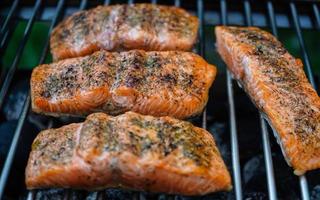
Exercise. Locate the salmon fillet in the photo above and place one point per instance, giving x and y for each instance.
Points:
(154, 83)
(124, 27)
(277, 84)
(129, 151)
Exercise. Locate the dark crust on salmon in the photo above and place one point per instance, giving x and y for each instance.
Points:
(277, 84)
(124, 27)
(130, 151)
(155, 83)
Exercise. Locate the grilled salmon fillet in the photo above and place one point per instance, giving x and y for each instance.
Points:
(130, 151)
(277, 84)
(124, 27)
(154, 83)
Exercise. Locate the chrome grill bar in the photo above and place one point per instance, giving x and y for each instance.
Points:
(177, 3)
(304, 52)
(272, 191)
(12, 69)
(5, 33)
(4, 89)
(232, 120)
(8, 18)
(201, 48)
(303, 180)
(316, 14)
(31, 195)
(268, 160)
(25, 110)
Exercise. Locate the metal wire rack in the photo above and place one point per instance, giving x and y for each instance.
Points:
(221, 8)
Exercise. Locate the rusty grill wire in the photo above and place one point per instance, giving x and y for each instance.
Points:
(199, 4)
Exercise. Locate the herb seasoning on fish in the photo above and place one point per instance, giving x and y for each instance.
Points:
(277, 84)
(118, 82)
(132, 151)
(124, 27)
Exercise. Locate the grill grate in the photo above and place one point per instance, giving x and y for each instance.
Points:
(265, 135)
(222, 10)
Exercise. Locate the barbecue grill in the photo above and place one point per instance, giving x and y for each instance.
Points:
(244, 137)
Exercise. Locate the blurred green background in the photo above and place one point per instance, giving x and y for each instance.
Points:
(33, 49)
(35, 44)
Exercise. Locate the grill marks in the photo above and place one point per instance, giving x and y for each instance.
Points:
(171, 137)
(146, 71)
(157, 83)
(131, 151)
(145, 135)
(287, 79)
(271, 56)
(124, 27)
(131, 70)
(278, 85)
(156, 19)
